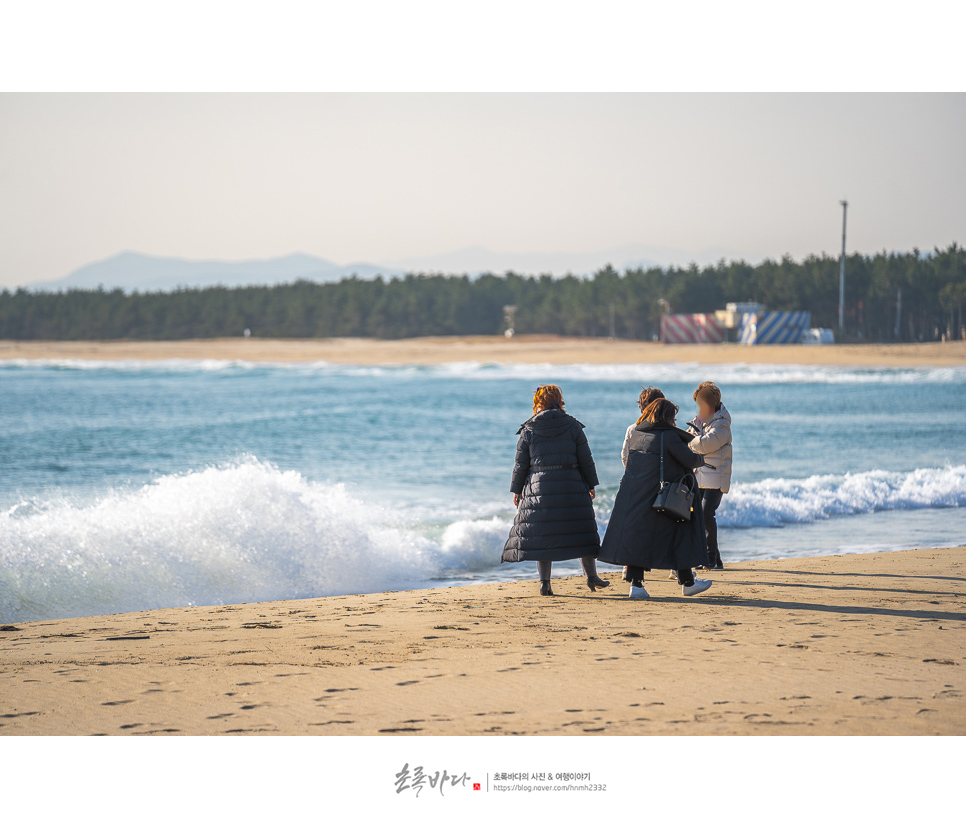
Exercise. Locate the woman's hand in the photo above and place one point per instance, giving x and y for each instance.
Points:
(593, 495)
(516, 499)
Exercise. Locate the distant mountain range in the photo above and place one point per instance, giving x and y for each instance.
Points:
(132, 271)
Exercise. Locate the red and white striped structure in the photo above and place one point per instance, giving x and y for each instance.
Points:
(691, 329)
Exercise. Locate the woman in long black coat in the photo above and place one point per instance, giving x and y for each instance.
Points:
(637, 535)
(553, 489)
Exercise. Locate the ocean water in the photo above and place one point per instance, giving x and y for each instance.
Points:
(135, 485)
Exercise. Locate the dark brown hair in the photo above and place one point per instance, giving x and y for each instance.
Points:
(648, 395)
(660, 411)
(710, 393)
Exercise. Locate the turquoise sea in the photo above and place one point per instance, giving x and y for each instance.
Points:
(135, 485)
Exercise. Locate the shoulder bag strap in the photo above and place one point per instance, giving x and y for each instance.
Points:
(662, 460)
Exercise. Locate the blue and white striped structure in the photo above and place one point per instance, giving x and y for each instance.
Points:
(775, 328)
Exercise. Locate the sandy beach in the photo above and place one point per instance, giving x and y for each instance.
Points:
(532, 349)
(839, 645)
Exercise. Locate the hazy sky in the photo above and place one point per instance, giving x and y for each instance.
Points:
(379, 177)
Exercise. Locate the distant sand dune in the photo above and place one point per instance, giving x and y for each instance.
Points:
(547, 349)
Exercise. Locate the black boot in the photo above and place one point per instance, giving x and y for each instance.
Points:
(594, 582)
(545, 589)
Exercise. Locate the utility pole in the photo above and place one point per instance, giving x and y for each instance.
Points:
(845, 206)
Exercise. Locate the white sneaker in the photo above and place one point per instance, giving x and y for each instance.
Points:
(673, 575)
(639, 593)
(698, 586)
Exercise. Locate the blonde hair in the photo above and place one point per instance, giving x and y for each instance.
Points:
(547, 396)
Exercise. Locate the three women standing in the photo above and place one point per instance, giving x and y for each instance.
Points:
(553, 490)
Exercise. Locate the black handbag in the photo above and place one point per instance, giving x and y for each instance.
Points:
(675, 498)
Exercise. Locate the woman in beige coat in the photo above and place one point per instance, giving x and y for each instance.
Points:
(712, 430)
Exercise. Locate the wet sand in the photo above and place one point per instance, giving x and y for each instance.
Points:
(840, 645)
(537, 349)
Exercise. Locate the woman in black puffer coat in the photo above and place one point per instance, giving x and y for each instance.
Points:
(553, 489)
(638, 535)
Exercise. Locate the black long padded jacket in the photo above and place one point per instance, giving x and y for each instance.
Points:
(553, 473)
(639, 535)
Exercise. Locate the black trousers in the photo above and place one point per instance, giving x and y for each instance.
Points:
(710, 501)
(635, 573)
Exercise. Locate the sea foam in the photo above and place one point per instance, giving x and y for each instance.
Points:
(735, 373)
(778, 501)
(236, 533)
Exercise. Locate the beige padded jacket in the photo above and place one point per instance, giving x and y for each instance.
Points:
(714, 442)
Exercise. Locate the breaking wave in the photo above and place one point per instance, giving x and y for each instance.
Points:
(239, 533)
(779, 501)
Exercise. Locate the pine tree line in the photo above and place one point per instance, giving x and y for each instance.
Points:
(933, 294)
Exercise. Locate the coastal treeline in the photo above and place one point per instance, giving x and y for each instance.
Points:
(889, 297)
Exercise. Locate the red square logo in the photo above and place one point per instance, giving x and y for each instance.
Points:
(476, 786)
